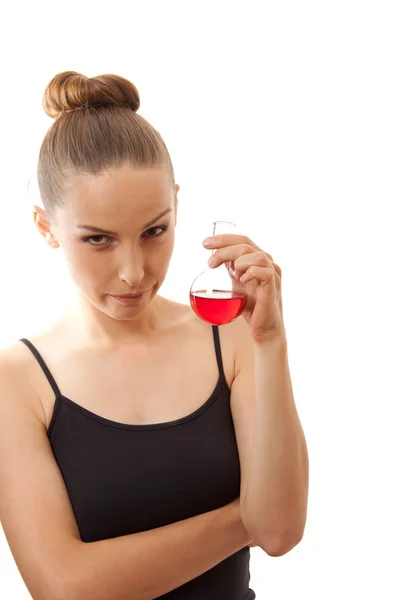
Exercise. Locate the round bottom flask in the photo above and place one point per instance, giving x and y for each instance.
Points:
(216, 296)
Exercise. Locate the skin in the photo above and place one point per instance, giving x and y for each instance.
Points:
(122, 200)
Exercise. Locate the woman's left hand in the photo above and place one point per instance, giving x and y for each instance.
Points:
(258, 277)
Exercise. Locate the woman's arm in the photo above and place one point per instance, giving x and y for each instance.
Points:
(149, 564)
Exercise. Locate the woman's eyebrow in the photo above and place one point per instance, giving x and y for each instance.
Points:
(100, 230)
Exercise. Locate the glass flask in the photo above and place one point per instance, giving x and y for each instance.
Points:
(216, 296)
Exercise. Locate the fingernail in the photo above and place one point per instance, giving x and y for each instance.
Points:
(207, 242)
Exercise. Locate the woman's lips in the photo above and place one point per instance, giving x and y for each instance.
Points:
(130, 299)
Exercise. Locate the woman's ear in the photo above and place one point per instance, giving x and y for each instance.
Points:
(43, 226)
(177, 188)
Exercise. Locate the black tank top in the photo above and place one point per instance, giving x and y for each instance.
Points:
(124, 479)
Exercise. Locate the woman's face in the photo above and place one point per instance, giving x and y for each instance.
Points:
(134, 211)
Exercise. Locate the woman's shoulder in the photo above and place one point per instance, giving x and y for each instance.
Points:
(14, 357)
(16, 377)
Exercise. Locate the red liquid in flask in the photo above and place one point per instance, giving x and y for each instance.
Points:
(217, 308)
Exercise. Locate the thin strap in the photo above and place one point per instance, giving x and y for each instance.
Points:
(45, 368)
(218, 348)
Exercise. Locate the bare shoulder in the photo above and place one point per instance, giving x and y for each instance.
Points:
(15, 380)
(193, 330)
(235, 340)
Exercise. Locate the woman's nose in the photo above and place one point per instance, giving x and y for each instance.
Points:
(131, 271)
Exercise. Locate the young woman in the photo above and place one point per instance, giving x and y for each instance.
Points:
(126, 427)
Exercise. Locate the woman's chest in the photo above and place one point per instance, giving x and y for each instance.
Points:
(139, 388)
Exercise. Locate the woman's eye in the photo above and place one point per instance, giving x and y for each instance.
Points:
(95, 237)
(162, 228)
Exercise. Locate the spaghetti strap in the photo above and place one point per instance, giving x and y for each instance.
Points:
(45, 368)
(217, 345)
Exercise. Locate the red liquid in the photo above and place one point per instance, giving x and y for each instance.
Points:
(217, 308)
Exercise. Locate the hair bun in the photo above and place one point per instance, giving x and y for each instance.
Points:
(70, 91)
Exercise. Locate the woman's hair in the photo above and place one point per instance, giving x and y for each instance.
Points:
(96, 128)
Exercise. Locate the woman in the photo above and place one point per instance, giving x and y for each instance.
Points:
(123, 477)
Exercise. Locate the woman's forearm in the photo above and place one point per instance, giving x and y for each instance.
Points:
(151, 563)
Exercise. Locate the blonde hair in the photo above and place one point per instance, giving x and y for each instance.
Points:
(96, 127)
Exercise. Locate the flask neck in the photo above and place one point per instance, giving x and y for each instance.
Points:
(223, 227)
(222, 266)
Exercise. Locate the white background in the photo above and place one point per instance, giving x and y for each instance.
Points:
(283, 117)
